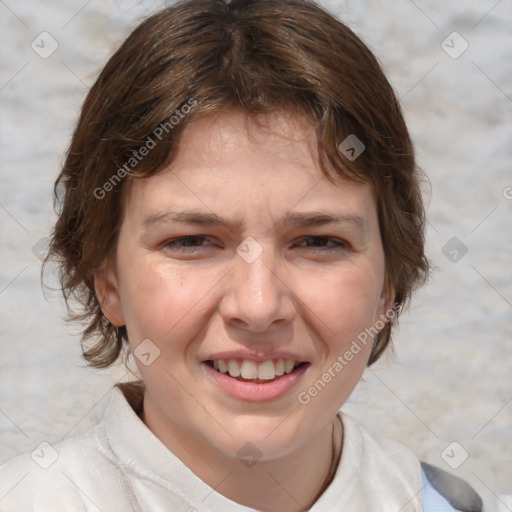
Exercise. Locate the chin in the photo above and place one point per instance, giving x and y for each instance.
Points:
(270, 437)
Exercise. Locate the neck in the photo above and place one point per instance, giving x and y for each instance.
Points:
(291, 483)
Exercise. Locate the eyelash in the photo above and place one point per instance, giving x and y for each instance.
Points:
(176, 243)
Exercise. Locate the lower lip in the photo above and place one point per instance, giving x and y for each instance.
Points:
(255, 392)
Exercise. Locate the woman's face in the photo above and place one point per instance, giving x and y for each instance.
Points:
(241, 254)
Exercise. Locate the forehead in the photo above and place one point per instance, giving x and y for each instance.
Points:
(234, 141)
(231, 162)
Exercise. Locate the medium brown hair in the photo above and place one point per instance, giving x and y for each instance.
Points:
(260, 56)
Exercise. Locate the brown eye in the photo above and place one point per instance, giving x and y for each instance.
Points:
(188, 244)
(320, 243)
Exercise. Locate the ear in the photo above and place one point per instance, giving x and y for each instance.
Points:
(386, 302)
(106, 286)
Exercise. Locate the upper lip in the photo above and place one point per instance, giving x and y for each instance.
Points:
(253, 356)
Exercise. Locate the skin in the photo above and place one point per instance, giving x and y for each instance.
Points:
(303, 295)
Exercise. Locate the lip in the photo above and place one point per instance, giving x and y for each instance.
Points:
(253, 356)
(255, 392)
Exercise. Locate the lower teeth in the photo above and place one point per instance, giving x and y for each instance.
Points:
(255, 380)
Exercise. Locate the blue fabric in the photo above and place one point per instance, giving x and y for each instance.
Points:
(432, 500)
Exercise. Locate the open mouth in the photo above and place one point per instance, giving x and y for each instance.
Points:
(250, 371)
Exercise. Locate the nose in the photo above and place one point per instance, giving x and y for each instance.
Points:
(257, 297)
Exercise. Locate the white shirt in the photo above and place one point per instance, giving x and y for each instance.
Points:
(121, 466)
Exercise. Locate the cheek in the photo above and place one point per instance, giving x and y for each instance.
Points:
(160, 300)
(344, 302)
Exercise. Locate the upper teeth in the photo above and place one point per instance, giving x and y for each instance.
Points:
(267, 370)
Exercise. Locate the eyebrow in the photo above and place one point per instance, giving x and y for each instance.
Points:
(297, 219)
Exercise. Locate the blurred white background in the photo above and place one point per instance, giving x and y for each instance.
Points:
(450, 379)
